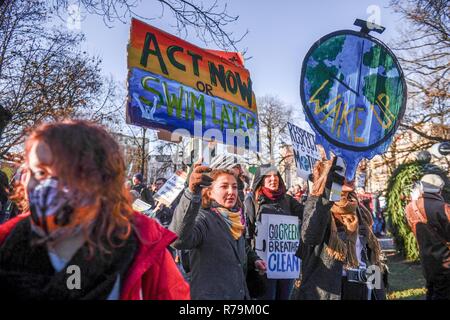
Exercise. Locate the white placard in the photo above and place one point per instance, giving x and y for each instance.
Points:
(276, 243)
(171, 189)
(140, 206)
(336, 188)
(305, 150)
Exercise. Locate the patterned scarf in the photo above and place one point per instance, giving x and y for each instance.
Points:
(233, 218)
(273, 195)
(26, 272)
(345, 211)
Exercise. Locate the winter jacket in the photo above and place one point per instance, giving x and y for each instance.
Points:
(8, 210)
(218, 262)
(153, 274)
(164, 216)
(321, 275)
(144, 193)
(433, 235)
(255, 208)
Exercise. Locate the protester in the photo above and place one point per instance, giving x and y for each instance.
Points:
(80, 215)
(429, 218)
(242, 180)
(4, 194)
(232, 162)
(163, 213)
(298, 192)
(8, 206)
(209, 222)
(378, 223)
(337, 244)
(159, 182)
(270, 197)
(144, 193)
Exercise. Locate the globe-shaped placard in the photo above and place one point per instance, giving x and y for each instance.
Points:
(353, 91)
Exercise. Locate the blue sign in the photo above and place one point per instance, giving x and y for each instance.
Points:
(353, 94)
(162, 103)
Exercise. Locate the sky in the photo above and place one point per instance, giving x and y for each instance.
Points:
(279, 35)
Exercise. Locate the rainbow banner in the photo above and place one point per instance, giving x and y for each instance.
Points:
(174, 85)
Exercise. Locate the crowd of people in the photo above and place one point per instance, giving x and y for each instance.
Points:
(70, 204)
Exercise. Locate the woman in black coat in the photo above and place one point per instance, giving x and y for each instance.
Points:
(210, 223)
(270, 197)
(341, 257)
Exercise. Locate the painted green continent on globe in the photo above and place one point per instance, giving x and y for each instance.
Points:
(386, 81)
(319, 72)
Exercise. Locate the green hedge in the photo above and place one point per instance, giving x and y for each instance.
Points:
(398, 191)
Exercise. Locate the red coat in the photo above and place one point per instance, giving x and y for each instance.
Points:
(153, 274)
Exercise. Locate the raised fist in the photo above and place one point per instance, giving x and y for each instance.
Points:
(199, 179)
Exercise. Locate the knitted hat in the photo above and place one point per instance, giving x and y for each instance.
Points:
(432, 183)
(139, 177)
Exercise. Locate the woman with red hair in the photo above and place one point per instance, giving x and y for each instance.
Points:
(210, 223)
(81, 232)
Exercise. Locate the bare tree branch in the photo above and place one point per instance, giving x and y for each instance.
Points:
(208, 22)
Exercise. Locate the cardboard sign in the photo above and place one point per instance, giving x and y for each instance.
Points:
(141, 206)
(175, 85)
(276, 243)
(354, 95)
(171, 189)
(305, 150)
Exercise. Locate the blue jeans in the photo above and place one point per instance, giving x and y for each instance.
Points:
(377, 225)
(278, 289)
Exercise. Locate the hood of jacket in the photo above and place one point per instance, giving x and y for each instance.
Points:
(261, 172)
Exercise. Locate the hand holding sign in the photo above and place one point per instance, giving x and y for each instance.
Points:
(327, 176)
(198, 178)
(159, 206)
(261, 266)
(170, 190)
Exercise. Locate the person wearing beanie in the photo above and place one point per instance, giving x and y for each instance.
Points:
(144, 193)
(270, 197)
(429, 219)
